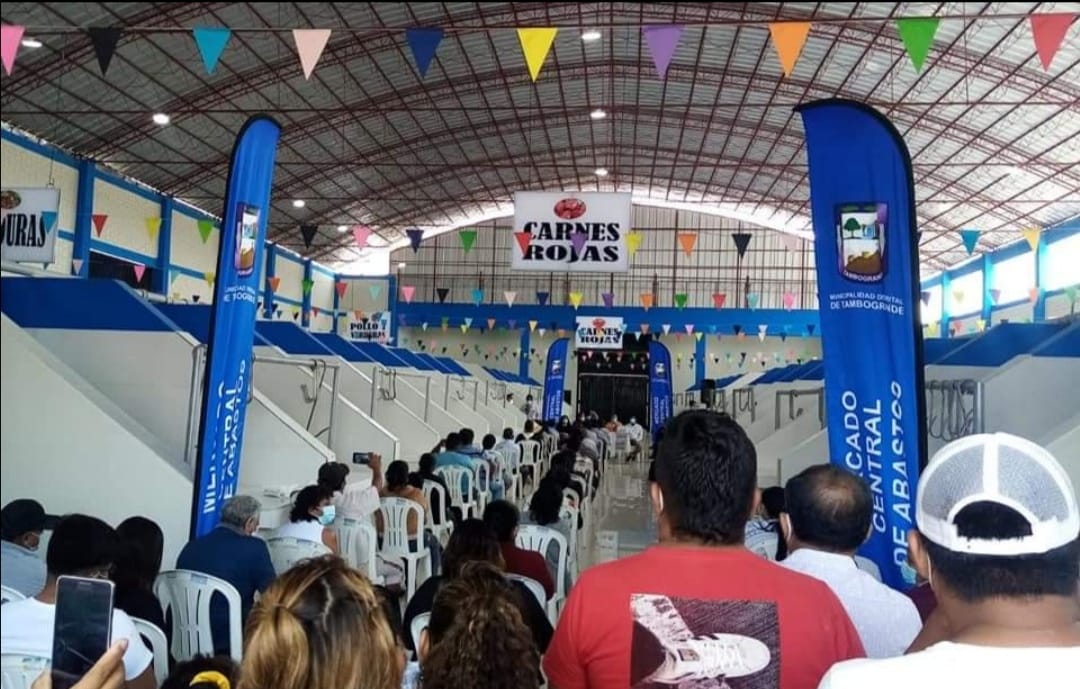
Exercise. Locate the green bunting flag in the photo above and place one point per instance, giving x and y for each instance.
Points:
(468, 238)
(917, 35)
(308, 284)
(680, 300)
(205, 228)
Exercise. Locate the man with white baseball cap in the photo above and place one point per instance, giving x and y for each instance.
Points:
(998, 538)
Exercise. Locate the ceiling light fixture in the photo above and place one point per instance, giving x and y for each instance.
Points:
(601, 172)
(161, 119)
(299, 203)
(401, 266)
(598, 114)
(342, 228)
(31, 43)
(590, 36)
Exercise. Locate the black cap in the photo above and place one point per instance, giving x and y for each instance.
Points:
(23, 516)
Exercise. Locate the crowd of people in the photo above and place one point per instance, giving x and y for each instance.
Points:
(746, 588)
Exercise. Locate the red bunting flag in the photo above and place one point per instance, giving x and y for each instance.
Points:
(340, 288)
(274, 282)
(99, 222)
(524, 239)
(718, 299)
(1049, 31)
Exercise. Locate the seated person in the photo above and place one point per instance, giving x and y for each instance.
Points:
(545, 509)
(502, 518)
(427, 473)
(138, 563)
(358, 499)
(637, 437)
(497, 480)
(310, 518)
(80, 546)
(231, 552)
(203, 672)
(21, 524)
(763, 530)
(468, 445)
(397, 486)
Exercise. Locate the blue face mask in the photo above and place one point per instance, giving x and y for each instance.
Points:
(908, 573)
(328, 514)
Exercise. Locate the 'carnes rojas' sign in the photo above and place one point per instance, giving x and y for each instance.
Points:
(594, 332)
(571, 231)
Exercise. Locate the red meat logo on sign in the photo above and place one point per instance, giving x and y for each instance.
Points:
(599, 323)
(569, 209)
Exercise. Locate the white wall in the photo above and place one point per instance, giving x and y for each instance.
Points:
(1017, 313)
(1058, 306)
(127, 213)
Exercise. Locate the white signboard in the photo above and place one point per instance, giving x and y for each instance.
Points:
(571, 231)
(599, 332)
(373, 328)
(28, 218)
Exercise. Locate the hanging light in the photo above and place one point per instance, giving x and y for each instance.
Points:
(590, 36)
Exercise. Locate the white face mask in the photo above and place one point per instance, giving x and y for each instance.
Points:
(328, 514)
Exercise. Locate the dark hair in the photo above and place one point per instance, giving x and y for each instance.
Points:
(508, 434)
(184, 672)
(489, 441)
(707, 470)
(139, 559)
(453, 441)
(772, 499)
(306, 500)
(80, 545)
(546, 502)
(427, 463)
(975, 578)
(529, 427)
(502, 518)
(564, 459)
(478, 636)
(830, 508)
(573, 442)
(559, 475)
(467, 436)
(397, 475)
(471, 540)
(332, 476)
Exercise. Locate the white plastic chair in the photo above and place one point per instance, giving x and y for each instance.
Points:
(534, 586)
(444, 525)
(9, 594)
(188, 595)
(538, 539)
(159, 646)
(570, 514)
(482, 475)
(398, 543)
(360, 547)
(419, 624)
(459, 481)
(286, 552)
(622, 444)
(530, 457)
(19, 671)
(511, 460)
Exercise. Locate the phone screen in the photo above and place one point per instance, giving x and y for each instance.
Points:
(82, 628)
(361, 458)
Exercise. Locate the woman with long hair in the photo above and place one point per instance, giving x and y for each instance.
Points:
(397, 485)
(545, 509)
(137, 565)
(477, 636)
(320, 625)
(310, 518)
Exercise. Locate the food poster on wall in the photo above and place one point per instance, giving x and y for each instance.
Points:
(571, 231)
(29, 221)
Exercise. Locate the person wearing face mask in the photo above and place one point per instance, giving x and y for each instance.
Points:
(21, 524)
(231, 552)
(311, 516)
(637, 434)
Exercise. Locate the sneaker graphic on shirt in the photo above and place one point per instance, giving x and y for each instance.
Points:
(718, 656)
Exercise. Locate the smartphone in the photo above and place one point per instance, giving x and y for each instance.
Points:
(361, 458)
(82, 628)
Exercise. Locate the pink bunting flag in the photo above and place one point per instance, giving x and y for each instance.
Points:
(491, 325)
(340, 288)
(1049, 31)
(361, 233)
(407, 292)
(509, 297)
(689, 329)
(76, 265)
(139, 270)
(789, 300)
(310, 44)
(10, 38)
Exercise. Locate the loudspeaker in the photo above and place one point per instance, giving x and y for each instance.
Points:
(568, 397)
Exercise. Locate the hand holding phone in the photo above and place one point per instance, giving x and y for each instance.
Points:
(82, 627)
(363, 458)
(107, 672)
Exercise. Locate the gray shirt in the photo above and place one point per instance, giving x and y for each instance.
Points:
(21, 569)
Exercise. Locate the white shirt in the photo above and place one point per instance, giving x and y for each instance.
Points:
(304, 531)
(887, 620)
(637, 432)
(26, 628)
(21, 569)
(948, 665)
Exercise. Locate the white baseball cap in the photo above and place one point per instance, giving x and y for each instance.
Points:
(1006, 470)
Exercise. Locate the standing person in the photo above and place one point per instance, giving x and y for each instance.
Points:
(763, 530)
(397, 486)
(503, 518)
(231, 552)
(826, 519)
(996, 536)
(137, 566)
(311, 517)
(699, 606)
(637, 436)
(531, 409)
(21, 524)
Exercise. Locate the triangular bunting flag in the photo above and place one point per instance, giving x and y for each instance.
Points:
(374, 290)
(76, 265)
(205, 228)
(575, 299)
(315, 311)
(737, 329)
(468, 238)
(468, 323)
(209, 277)
(925, 297)
(917, 35)
(139, 270)
(153, 226)
(423, 43)
(424, 327)
(99, 222)
(1049, 31)
(995, 294)
(535, 44)
(407, 292)
(1033, 294)
(958, 295)
(810, 329)
(340, 288)
(689, 329)
(662, 42)
(542, 298)
(718, 299)
(752, 299)
(306, 284)
(274, 281)
(1032, 236)
(415, 237)
(761, 330)
(477, 296)
(10, 37)
(687, 240)
(442, 293)
(195, 298)
(360, 235)
(789, 300)
(609, 299)
(308, 232)
(980, 325)
(970, 239)
(577, 240)
(742, 241)
(523, 240)
(698, 335)
(104, 39)
(633, 241)
(541, 331)
(1071, 293)
(532, 325)
(666, 327)
(680, 300)
(310, 44)
(788, 39)
(647, 300)
(211, 42)
(644, 328)
(491, 326)
(48, 220)
(509, 297)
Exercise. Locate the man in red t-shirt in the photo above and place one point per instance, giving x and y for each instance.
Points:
(699, 610)
(503, 518)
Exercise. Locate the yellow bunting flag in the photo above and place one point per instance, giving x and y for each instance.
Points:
(698, 335)
(633, 241)
(153, 225)
(532, 325)
(687, 240)
(980, 325)
(1032, 236)
(536, 44)
(788, 39)
(209, 277)
(575, 299)
(464, 328)
(933, 329)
